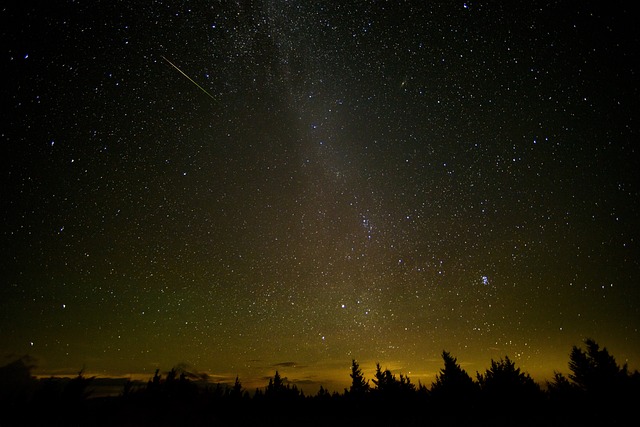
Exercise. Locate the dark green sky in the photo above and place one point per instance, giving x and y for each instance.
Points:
(372, 180)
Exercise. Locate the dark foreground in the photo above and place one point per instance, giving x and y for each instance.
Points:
(597, 392)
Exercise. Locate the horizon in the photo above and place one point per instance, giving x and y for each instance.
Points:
(299, 376)
(242, 187)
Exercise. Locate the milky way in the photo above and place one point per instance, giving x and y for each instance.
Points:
(371, 180)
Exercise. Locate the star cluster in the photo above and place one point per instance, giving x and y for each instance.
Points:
(369, 180)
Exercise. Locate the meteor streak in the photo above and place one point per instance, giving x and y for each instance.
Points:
(190, 79)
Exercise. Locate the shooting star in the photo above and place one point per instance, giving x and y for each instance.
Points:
(190, 79)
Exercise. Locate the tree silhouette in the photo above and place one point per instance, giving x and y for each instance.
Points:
(276, 389)
(453, 383)
(595, 382)
(77, 389)
(154, 383)
(405, 385)
(595, 370)
(560, 385)
(17, 382)
(323, 394)
(383, 380)
(388, 385)
(359, 386)
(275, 386)
(506, 388)
(564, 396)
(172, 388)
(236, 391)
(171, 376)
(605, 386)
(596, 392)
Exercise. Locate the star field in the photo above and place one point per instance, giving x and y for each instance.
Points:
(250, 185)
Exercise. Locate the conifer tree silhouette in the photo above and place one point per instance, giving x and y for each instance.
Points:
(382, 379)
(275, 386)
(506, 385)
(389, 386)
(77, 389)
(236, 392)
(560, 385)
(595, 381)
(453, 384)
(359, 386)
(594, 370)
(323, 394)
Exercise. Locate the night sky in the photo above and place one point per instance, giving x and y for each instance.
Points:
(245, 186)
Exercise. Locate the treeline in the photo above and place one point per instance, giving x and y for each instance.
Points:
(596, 391)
